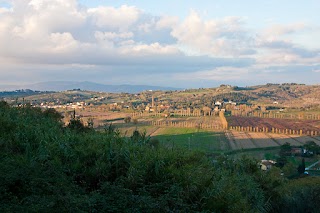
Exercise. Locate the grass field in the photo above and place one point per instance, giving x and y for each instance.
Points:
(192, 138)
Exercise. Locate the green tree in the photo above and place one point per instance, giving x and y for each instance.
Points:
(77, 125)
(302, 167)
(285, 150)
(140, 137)
(312, 148)
(298, 195)
(53, 114)
(289, 170)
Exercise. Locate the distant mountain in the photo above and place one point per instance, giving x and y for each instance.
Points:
(86, 85)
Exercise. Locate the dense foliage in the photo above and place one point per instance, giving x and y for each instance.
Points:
(234, 96)
(46, 167)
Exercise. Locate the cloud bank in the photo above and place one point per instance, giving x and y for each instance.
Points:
(44, 40)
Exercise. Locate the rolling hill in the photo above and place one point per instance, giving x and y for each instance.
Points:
(85, 85)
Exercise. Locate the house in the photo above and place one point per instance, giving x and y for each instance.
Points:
(265, 165)
(296, 151)
(218, 103)
(149, 108)
(232, 103)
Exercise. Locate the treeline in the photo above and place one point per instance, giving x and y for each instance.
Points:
(234, 96)
(22, 93)
(48, 167)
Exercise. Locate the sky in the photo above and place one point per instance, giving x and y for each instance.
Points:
(182, 43)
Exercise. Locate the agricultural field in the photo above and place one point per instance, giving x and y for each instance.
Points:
(305, 125)
(213, 141)
(192, 138)
(100, 118)
(252, 140)
(209, 140)
(128, 129)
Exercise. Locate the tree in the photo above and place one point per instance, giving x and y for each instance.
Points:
(139, 137)
(312, 148)
(4, 104)
(53, 114)
(77, 125)
(135, 121)
(302, 167)
(289, 170)
(90, 123)
(127, 119)
(285, 150)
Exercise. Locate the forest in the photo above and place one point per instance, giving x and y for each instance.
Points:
(46, 166)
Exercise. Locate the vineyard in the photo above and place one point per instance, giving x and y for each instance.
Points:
(269, 123)
(251, 140)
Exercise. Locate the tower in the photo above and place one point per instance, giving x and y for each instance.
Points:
(152, 103)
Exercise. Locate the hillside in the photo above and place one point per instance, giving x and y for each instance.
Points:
(46, 167)
(285, 95)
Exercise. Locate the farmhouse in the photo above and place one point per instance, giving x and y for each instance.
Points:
(265, 165)
(149, 108)
(218, 103)
(296, 151)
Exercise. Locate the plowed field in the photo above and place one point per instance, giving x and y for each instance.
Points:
(304, 125)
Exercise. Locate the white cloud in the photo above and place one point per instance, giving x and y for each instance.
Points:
(167, 22)
(116, 18)
(110, 40)
(280, 30)
(225, 37)
(152, 49)
(4, 10)
(112, 35)
(62, 43)
(62, 33)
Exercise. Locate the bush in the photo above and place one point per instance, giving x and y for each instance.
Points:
(127, 119)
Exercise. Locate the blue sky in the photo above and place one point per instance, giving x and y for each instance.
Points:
(280, 11)
(171, 43)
